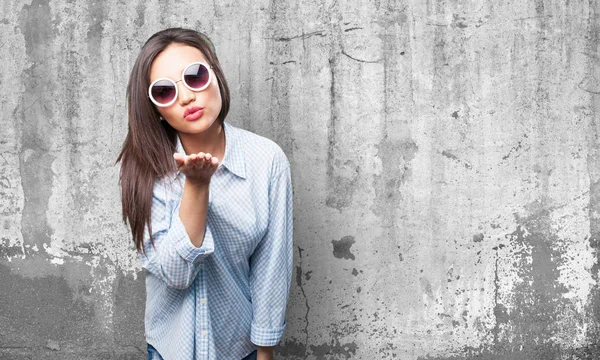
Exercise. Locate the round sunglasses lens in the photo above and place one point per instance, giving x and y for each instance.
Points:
(196, 76)
(163, 91)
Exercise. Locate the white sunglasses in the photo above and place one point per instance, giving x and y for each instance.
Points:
(196, 77)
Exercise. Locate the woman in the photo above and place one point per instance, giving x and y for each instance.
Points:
(215, 237)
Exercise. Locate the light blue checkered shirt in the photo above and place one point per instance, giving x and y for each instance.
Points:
(221, 300)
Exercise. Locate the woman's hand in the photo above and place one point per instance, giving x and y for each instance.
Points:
(197, 168)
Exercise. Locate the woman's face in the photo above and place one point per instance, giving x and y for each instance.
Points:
(170, 63)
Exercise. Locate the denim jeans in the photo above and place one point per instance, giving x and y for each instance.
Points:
(154, 355)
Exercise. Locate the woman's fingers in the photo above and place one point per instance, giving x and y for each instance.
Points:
(190, 162)
(193, 163)
(179, 159)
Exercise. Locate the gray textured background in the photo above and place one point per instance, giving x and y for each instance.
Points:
(445, 161)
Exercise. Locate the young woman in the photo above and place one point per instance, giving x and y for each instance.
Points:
(209, 206)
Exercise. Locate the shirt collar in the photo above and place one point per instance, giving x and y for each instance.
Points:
(234, 159)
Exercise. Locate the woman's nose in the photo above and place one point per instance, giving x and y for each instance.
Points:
(186, 95)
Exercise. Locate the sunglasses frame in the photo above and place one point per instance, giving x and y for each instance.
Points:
(184, 83)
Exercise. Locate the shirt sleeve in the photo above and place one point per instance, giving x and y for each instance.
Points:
(174, 258)
(271, 266)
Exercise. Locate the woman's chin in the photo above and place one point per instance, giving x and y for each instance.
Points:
(195, 127)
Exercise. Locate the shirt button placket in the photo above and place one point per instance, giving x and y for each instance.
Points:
(202, 312)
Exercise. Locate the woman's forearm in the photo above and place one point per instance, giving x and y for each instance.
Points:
(193, 210)
(264, 353)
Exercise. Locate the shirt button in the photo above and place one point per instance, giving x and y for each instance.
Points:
(203, 301)
(204, 333)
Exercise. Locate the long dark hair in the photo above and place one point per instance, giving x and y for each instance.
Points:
(147, 152)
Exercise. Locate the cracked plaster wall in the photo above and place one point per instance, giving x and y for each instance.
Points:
(445, 165)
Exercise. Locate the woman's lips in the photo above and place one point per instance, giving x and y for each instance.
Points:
(192, 114)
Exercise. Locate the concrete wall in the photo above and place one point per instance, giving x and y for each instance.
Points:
(445, 157)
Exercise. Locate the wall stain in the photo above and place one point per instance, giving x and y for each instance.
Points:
(516, 149)
(82, 165)
(295, 349)
(140, 11)
(324, 351)
(341, 248)
(451, 156)
(426, 286)
(129, 310)
(280, 116)
(35, 158)
(395, 149)
(526, 329)
(96, 14)
(343, 173)
(26, 303)
(291, 348)
(300, 285)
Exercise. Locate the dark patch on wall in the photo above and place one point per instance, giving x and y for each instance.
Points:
(129, 311)
(282, 79)
(332, 349)
(291, 347)
(342, 175)
(538, 301)
(458, 21)
(343, 172)
(452, 70)
(140, 11)
(478, 237)
(341, 248)
(426, 286)
(341, 188)
(71, 65)
(450, 155)
(49, 317)
(324, 351)
(298, 276)
(516, 149)
(96, 15)
(34, 117)
(12, 251)
(36, 310)
(165, 10)
(396, 148)
(82, 353)
(307, 275)
(501, 314)
(396, 157)
(539, 352)
(300, 285)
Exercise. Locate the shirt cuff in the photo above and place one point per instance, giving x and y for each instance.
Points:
(266, 336)
(184, 245)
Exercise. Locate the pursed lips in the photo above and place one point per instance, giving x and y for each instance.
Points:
(191, 110)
